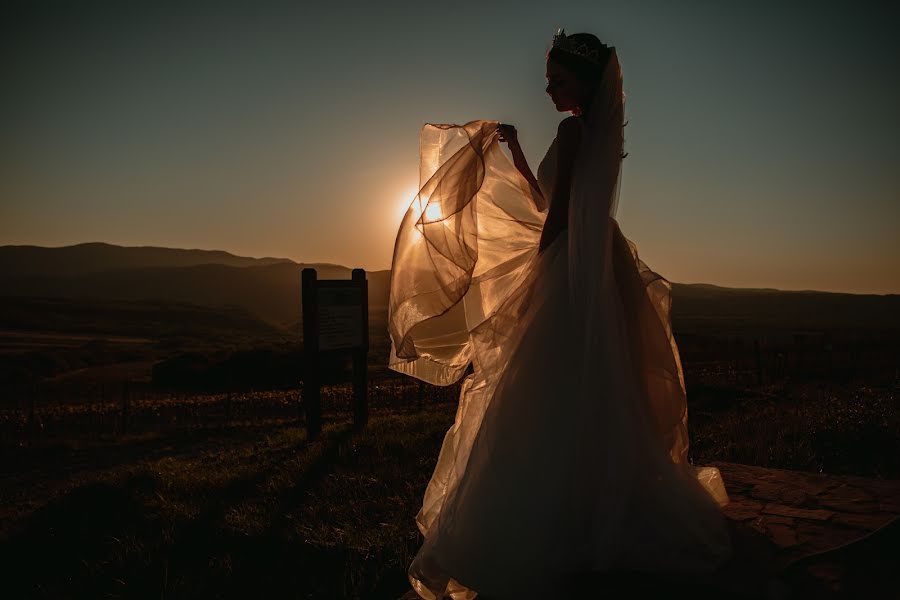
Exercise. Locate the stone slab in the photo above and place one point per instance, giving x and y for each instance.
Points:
(805, 514)
(816, 514)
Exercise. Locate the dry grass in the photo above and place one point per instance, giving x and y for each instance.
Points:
(809, 426)
(267, 515)
(257, 510)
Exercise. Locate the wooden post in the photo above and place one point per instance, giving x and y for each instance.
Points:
(759, 369)
(102, 413)
(32, 420)
(124, 427)
(332, 326)
(228, 410)
(360, 366)
(311, 400)
(300, 403)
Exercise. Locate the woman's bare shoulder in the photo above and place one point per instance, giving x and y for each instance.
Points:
(570, 122)
(569, 130)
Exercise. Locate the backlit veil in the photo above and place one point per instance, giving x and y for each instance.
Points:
(465, 267)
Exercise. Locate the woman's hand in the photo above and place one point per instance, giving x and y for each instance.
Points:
(508, 134)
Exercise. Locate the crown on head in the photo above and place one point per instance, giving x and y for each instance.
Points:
(581, 49)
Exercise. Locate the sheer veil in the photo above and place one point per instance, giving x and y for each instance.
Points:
(463, 258)
(462, 248)
(601, 259)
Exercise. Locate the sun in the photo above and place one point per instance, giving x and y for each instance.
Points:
(433, 210)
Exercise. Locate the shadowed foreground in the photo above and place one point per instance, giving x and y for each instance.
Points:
(257, 510)
(797, 535)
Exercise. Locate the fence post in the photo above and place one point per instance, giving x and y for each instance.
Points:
(124, 425)
(311, 400)
(300, 402)
(759, 369)
(360, 362)
(32, 424)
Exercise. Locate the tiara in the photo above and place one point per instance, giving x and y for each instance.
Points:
(579, 49)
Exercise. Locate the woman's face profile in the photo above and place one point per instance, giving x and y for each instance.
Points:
(564, 88)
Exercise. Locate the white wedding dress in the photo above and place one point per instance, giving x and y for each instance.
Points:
(569, 449)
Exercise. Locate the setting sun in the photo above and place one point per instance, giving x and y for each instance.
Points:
(433, 211)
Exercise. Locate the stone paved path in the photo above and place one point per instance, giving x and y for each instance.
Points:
(808, 512)
(827, 536)
(839, 531)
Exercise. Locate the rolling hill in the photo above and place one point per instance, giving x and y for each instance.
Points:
(38, 261)
(267, 288)
(267, 291)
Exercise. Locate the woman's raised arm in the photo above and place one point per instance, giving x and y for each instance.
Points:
(509, 135)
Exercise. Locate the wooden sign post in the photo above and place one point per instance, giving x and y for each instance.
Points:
(335, 321)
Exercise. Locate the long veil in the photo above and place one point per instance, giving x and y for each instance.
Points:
(462, 276)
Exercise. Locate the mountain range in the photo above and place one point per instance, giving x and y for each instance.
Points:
(268, 290)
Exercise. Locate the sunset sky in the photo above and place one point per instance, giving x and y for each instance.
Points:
(764, 141)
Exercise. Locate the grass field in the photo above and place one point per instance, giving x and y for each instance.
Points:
(249, 512)
(255, 509)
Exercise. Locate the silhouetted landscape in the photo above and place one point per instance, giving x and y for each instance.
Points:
(152, 417)
(56, 300)
(176, 422)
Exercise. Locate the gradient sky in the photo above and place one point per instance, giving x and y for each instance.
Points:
(763, 139)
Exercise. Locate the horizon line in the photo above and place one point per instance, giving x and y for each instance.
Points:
(338, 264)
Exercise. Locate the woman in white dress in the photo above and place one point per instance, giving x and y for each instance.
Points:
(568, 454)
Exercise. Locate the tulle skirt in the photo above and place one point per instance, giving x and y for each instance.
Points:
(565, 475)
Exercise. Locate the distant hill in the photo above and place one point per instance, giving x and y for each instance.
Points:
(66, 261)
(268, 290)
(706, 308)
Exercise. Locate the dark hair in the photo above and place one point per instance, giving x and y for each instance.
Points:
(584, 69)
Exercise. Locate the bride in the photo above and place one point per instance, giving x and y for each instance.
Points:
(568, 454)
